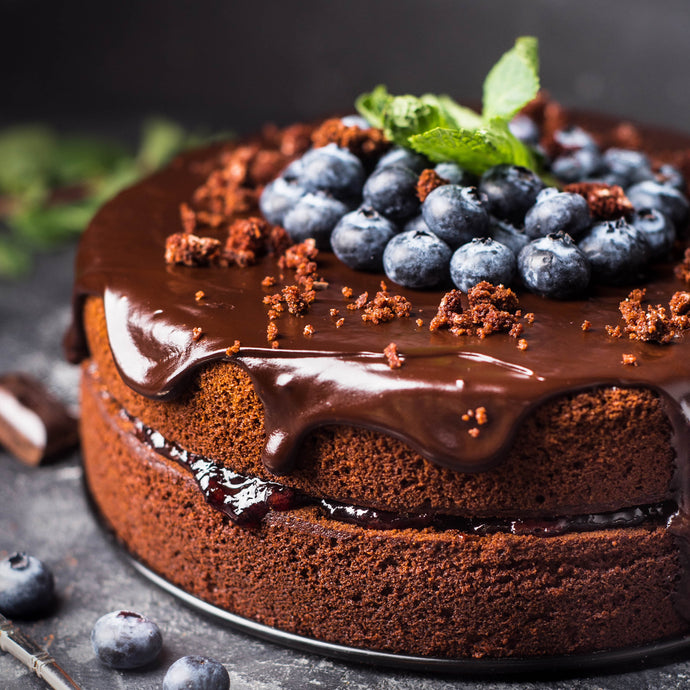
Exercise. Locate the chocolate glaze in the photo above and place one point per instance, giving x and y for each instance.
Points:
(340, 375)
(247, 500)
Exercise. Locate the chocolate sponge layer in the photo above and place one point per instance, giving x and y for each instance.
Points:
(595, 450)
(444, 594)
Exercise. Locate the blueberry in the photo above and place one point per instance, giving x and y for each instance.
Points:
(293, 172)
(553, 266)
(482, 259)
(510, 190)
(507, 234)
(615, 250)
(546, 193)
(314, 215)
(402, 156)
(669, 201)
(627, 166)
(574, 138)
(333, 170)
(124, 639)
(355, 121)
(416, 223)
(554, 212)
(525, 129)
(456, 214)
(392, 191)
(576, 166)
(196, 673)
(360, 237)
(455, 174)
(27, 586)
(657, 229)
(672, 177)
(278, 198)
(416, 259)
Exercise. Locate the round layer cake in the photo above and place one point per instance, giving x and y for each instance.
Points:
(320, 460)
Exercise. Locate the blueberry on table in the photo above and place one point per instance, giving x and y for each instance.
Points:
(671, 176)
(402, 156)
(560, 211)
(664, 198)
(278, 197)
(482, 259)
(510, 191)
(554, 266)
(628, 166)
(125, 639)
(507, 234)
(455, 174)
(416, 259)
(314, 215)
(360, 237)
(392, 191)
(333, 170)
(27, 586)
(456, 214)
(657, 229)
(196, 673)
(615, 250)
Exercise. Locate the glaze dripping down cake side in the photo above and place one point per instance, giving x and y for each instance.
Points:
(286, 437)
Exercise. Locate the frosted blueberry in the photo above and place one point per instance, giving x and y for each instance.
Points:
(455, 174)
(402, 156)
(456, 214)
(554, 212)
(553, 266)
(124, 639)
(664, 198)
(196, 673)
(26, 586)
(416, 259)
(314, 215)
(392, 191)
(628, 166)
(510, 191)
(482, 259)
(278, 197)
(615, 250)
(360, 237)
(332, 169)
(507, 234)
(657, 229)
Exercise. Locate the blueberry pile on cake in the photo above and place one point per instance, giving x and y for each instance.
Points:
(414, 380)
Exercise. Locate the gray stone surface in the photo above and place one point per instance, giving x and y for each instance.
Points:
(45, 512)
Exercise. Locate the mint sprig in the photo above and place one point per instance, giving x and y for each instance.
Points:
(444, 130)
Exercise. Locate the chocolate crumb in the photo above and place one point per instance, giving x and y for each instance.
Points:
(474, 432)
(419, 323)
(334, 312)
(347, 292)
(268, 281)
(199, 295)
(339, 322)
(630, 360)
(606, 202)
(586, 325)
(197, 333)
(366, 144)
(481, 415)
(271, 331)
(391, 353)
(384, 307)
(191, 250)
(522, 344)
(188, 218)
(275, 344)
(652, 324)
(429, 180)
(233, 349)
(682, 270)
(308, 330)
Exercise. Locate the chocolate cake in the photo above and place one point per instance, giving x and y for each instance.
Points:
(317, 449)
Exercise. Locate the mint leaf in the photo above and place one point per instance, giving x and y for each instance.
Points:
(475, 150)
(405, 116)
(454, 114)
(513, 81)
(371, 105)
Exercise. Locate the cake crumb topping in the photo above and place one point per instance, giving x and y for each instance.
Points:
(199, 295)
(522, 344)
(682, 270)
(653, 323)
(429, 180)
(308, 330)
(363, 143)
(630, 360)
(197, 333)
(491, 309)
(606, 202)
(586, 325)
(391, 354)
(233, 349)
(185, 249)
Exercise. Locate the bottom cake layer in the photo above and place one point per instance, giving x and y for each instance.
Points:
(423, 592)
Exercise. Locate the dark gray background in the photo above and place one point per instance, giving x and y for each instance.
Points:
(236, 64)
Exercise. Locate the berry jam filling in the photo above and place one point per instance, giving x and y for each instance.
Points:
(247, 500)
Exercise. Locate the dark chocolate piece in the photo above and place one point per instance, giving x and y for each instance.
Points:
(34, 425)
